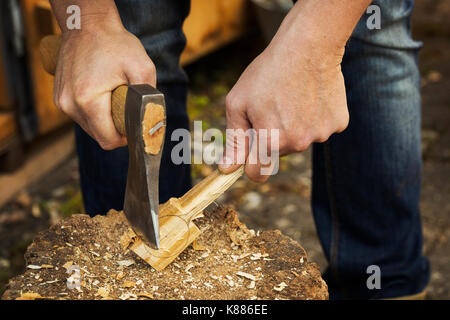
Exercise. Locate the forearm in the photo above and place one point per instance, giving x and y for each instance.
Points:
(94, 13)
(325, 24)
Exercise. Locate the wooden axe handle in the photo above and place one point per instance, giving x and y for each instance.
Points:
(49, 48)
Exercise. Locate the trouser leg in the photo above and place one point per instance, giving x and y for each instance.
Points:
(366, 181)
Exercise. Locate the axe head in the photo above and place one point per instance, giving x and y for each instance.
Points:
(145, 122)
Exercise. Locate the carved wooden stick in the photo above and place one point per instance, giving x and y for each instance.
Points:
(177, 231)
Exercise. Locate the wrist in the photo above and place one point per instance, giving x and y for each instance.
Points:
(95, 16)
(320, 27)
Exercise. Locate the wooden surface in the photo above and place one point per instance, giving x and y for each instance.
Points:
(177, 230)
(5, 99)
(154, 114)
(8, 128)
(39, 22)
(212, 24)
(46, 156)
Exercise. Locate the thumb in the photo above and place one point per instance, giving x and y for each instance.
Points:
(238, 138)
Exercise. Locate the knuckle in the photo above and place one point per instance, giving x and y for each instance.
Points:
(148, 72)
(82, 95)
(62, 102)
(151, 69)
(322, 135)
(343, 122)
(232, 102)
(106, 145)
(300, 144)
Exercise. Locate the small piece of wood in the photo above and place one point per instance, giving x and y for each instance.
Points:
(177, 231)
(153, 141)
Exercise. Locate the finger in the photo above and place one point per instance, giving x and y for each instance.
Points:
(100, 124)
(262, 160)
(142, 71)
(237, 144)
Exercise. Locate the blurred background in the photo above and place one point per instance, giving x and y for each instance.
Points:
(39, 181)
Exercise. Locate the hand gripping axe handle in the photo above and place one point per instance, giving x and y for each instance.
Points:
(139, 113)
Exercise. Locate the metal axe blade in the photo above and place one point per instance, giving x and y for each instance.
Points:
(141, 195)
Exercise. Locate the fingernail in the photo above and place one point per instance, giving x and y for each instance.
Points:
(226, 162)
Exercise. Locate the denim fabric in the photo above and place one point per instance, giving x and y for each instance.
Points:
(366, 181)
(158, 24)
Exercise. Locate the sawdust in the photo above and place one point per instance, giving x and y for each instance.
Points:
(227, 261)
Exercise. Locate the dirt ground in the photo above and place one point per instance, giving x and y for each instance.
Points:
(283, 202)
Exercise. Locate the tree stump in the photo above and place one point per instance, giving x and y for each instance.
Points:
(83, 258)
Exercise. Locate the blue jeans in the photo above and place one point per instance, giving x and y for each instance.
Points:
(366, 180)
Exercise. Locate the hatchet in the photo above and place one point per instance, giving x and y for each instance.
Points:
(139, 113)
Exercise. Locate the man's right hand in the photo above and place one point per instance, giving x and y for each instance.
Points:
(92, 63)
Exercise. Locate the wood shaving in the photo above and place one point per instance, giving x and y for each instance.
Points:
(103, 292)
(198, 247)
(34, 267)
(128, 296)
(125, 263)
(145, 295)
(30, 296)
(189, 267)
(246, 275)
(128, 284)
(280, 287)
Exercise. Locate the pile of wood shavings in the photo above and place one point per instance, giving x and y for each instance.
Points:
(227, 261)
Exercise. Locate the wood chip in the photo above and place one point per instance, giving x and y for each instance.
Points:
(246, 275)
(46, 266)
(94, 253)
(251, 285)
(280, 287)
(34, 267)
(255, 256)
(126, 239)
(103, 292)
(128, 296)
(125, 263)
(30, 296)
(198, 247)
(120, 275)
(145, 295)
(189, 267)
(128, 284)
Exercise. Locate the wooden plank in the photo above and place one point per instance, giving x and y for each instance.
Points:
(44, 158)
(213, 24)
(177, 230)
(39, 22)
(5, 99)
(8, 127)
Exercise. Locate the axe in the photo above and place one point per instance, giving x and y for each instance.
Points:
(139, 113)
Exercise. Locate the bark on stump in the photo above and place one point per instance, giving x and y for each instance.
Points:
(227, 261)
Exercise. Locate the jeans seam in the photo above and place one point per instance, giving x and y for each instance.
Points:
(334, 246)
